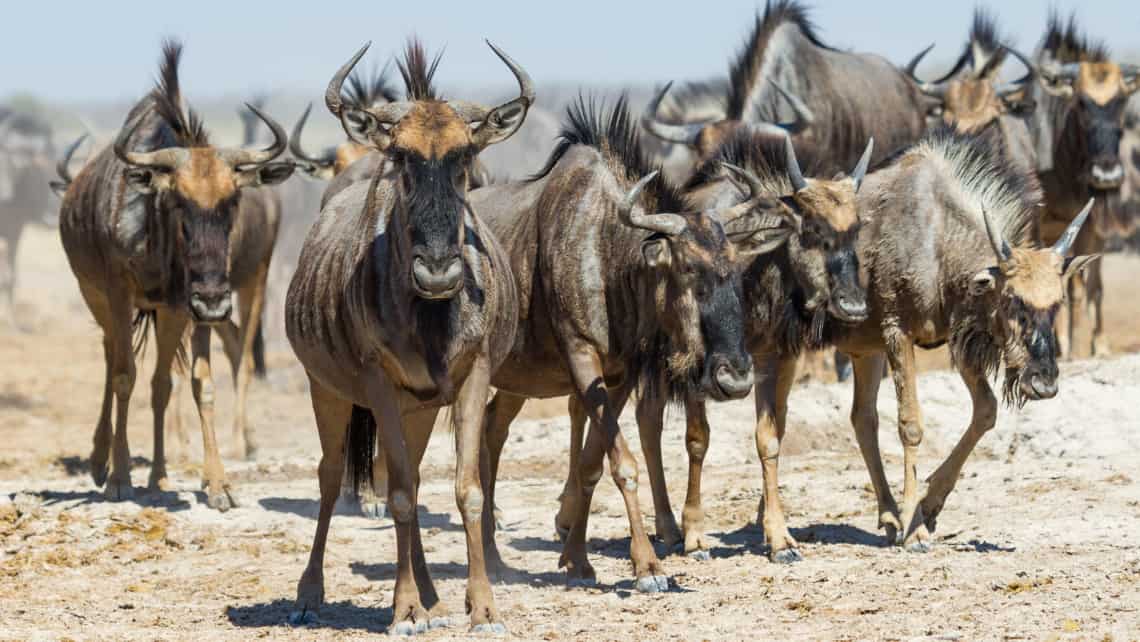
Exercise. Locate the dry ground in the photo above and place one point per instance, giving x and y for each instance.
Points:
(1041, 539)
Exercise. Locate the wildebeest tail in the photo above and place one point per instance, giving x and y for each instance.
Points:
(140, 329)
(259, 370)
(359, 448)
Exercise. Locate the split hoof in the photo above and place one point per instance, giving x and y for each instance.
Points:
(118, 490)
(652, 584)
(408, 628)
(220, 501)
(700, 555)
(494, 628)
(918, 547)
(439, 622)
(374, 509)
(786, 556)
(303, 617)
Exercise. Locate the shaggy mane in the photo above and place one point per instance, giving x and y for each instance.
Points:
(418, 74)
(744, 69)
(761, 154)
(186, 125)
(1067, 42)
(364, 90)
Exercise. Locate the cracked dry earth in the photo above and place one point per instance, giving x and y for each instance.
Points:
(1040, 540)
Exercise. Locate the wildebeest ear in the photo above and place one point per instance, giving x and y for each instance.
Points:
(59, 188)
(147, 181)
(1075, 264)
(364, 128)
(501, 123)
(267, 174)
(983, 282)
(762, 241)
(656, 252)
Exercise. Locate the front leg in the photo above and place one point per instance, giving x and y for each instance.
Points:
(217, 490)
(900, 353)
(697, 446)
(772, 387)
(650, 423)
(865, 419)
(984, 417)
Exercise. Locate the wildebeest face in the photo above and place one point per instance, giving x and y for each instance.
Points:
(1022, 295)
(822, 255)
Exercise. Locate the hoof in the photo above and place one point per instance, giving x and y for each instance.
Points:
(221, 502)
(99, 473)
(700, 555)
(439, 622)
(786, 556)
(407, 628)
(494, 628)
(161, 483)
(892, 535)
(118, 490)
(303, 617)
(653, 584)
(374, 510)
(918, 547)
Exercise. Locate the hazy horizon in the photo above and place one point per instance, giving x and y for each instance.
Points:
(96, 55)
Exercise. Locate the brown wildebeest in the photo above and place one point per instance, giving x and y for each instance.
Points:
(852, 97)
(151, 230)
(403, 302)
(25, 169)
(793, 298)
(1081, 101)
(949, 249)
(617, 286)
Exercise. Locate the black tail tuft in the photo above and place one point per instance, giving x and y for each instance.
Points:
(359, 448)
(140, 328)
(259, 369)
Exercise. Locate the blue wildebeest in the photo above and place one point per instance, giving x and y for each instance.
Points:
(1081, 101)
(403, 302)
(152, 233)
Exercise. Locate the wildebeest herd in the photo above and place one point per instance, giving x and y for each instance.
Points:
(833, 201)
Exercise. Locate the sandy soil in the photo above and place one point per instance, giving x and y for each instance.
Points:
(1041, 539)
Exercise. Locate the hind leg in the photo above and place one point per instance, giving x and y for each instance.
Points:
(252, 300)
(118, 486)
(332, 414)
(1095, 284)
(501, 411)
(650, 422)
(568, 500)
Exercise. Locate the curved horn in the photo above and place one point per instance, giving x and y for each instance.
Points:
(163, 159)
(686, 134)
(804, 117)
(474, 112)
(239, 157)
(1005, 89)
(934, 89)
(997, 241)
(332, 92)
(295, 142)
(61, 166)
(670, 224)
(865, 160)
(1065, 243)
(793, 169)
(755, 198)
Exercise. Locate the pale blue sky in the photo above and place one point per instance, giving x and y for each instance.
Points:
(75, 51)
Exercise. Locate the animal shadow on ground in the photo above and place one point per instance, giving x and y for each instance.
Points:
(386, 571)
(341, 616)
(750, 538)
(15, 401)
(144, 497)
(617, 548)
(75, 466)
(310, 508)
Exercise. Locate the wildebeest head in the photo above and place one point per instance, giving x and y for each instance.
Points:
(196, 188)
(822, 255)
(431, 144)
(1097, 92)
(969, 103)
(1023, 293)
(705, 137)
(698, 285)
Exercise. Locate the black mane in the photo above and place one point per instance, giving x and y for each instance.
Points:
(742, 72)
(1066, 42)
(417, 72)
(761, 154)
(186, 125)
(615, 134)
(364, 91)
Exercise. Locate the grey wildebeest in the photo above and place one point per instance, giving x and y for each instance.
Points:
(151, 230)
(403, 302)
(948, 245)
(25, 170)
(619, 284)
(835, 100)
(1081, 101)
(794, 297)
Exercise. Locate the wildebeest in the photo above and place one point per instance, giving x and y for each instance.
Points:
(970, 98)
(794, 298)
(26, 158)
(152, 232)
(619, 284)
(786, 71)
(1081, 101)
(403, 302)
(948, 246)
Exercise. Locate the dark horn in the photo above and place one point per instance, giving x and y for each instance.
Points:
(1065, 243)
(61, 167)
(804, 116)
(997, 241)
(670, 224)
(794, 173)
(295, 142)
(686, 134)
(1019, 84)
(241, 157)
(332, 92)
(935, 89)
(526, 85)
(165, 159)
